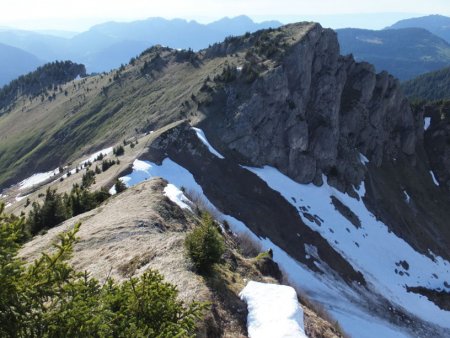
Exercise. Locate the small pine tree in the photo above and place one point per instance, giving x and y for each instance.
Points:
(119, 150)
(88, 179)
(51, 213)
(205, 245)
(48, 298)
(119, 186)
(106, 164)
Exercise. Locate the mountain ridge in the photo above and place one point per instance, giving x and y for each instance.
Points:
(325, 139)
(429, 86)
(437, 24)
(405, 53)
(87, 47)
(16, 62)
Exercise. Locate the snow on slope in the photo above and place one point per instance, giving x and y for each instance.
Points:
(364, 160)
(92, 158)
(177, 196)
(379, 254)
(37, 179)
(202, 137)
(435, 181)
(372, 249)
(426, 123)
(273, 311)
(337, 297)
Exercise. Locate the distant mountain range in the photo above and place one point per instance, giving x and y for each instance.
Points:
(14, 61)
(406, 49)
(436, 24)
(110, 44)
(405, 53)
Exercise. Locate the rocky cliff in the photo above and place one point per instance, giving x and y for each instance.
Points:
(311, 111)
(322, 160)
(437, 139)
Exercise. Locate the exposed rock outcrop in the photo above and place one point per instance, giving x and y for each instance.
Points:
(313, 111)
(437, 139)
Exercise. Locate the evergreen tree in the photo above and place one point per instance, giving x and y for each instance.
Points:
(119, 186)
(51, 213)
(205, 245)
(48, 298)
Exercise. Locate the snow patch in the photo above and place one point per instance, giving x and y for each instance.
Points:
(37, 179)
(72, 172)
(407, 197)
(378, 252)
(273, 311)
(434, 178)
(177, 196)
(364, 160)
(92, 158)
(139, 165)
(113, 191)
(426, 123)
(19, 198)
(202, 137)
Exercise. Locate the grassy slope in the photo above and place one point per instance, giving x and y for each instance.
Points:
(104, 109)
(39, 136)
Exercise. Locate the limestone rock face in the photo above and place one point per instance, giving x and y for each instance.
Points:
(314, 111)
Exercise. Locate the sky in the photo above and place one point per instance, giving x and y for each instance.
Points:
(79, 15)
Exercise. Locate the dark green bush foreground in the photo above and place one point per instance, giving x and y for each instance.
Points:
(50, 299)
(205, 245)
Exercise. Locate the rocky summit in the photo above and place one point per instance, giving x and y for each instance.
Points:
(315, 158)
(312, 111)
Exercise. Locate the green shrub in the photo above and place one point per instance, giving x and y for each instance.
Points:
(205, 245)
(81, 200)
(119, 150)
(48, 298)
(88, 179)
(119, 186)
(57, 208)
(106, 164)
(52, 212)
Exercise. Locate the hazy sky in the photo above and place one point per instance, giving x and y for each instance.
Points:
(80, 14)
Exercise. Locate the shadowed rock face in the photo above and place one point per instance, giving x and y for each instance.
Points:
(437, 140)
(312, 112)
(243, 195)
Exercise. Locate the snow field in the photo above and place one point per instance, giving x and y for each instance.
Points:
(273, 311)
